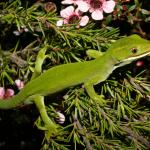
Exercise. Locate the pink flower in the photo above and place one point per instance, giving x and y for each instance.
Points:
(72, 16)
(19, 84)
(96, 7)
(9, 93)
(2, 92)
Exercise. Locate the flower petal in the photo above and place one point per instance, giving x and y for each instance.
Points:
(78, 12)
(83, 6)
(65, 21)
(91, 10)
(59, 23)
(67, 2)
(19, 84)
(97, 15)
(65, 13)
(84, 20)
(108, 6)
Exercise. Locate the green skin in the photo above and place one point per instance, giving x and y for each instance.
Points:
(88, 73)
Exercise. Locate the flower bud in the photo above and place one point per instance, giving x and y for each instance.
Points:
(19, 84)
(2, 92)
(9, 93)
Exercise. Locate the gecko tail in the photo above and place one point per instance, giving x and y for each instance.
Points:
(12, 102)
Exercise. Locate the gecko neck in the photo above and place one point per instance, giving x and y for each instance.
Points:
(107, 58)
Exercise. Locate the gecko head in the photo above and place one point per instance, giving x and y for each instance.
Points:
(130, 48)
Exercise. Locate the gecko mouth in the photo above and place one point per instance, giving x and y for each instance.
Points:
(134, 57)
(130, 59)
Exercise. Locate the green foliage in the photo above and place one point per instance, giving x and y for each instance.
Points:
(134, 13)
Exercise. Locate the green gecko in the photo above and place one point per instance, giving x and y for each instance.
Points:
(88, 73)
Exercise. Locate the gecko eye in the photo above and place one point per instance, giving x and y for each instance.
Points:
(134, 50)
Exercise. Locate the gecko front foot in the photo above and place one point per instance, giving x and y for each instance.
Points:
(99, 99)
(93, 95)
